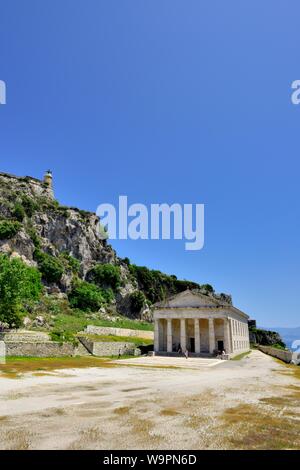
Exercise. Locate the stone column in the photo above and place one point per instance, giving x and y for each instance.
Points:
(182, 335)
(156, 335)
(197, 336)
(169, 335)
(226, 337)
(211, 335)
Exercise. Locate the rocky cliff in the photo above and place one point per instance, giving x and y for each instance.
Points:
(64, 244)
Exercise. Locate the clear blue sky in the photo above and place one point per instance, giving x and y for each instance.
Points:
(168, 101)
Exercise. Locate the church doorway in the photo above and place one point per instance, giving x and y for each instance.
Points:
(192, 344)
(220, 345)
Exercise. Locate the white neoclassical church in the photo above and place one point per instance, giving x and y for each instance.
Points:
(200, 324)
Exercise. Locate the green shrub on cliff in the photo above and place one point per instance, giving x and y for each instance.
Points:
(137, 301)
(86, 296)
(8, 229)
(71, 263)
(51, 268)
(106, 275)
(19, 212)
(19, 284)
(157, 285)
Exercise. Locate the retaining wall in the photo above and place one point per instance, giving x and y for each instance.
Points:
(46, 349)
(285, 356)
(105, 330)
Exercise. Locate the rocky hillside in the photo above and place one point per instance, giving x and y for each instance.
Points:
(265, 337)
(75, 263)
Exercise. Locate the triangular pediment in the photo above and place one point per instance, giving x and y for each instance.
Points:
(188, 298)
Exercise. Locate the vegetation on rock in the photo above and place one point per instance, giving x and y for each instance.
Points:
(9, 228)
(19, 284)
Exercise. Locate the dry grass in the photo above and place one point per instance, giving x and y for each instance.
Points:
(16, 367)
(123, 410)
(262, 427)
(169, 412)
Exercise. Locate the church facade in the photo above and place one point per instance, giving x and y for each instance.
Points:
(200, 324)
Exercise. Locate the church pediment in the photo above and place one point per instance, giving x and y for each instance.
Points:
(188, 298)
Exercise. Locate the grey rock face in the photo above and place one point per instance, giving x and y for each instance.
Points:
(59, 230)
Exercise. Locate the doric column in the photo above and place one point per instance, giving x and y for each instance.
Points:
(226, 336)
(211, 335)
(182, 334)
(197, 336)
(169, 335)
(156, 335)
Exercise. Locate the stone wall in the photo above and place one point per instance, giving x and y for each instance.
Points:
(113, 348)
(103, 330)
(46, 349)
(281, 354)
(16, 336)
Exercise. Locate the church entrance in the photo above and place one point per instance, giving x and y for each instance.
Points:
(220, 345)
(192, 344)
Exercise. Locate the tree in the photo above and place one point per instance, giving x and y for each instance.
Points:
(51, 268)
(106, 275)
(86, 296)
(19, 284)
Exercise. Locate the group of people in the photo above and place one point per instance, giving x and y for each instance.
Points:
(220, 354)
(186, 352)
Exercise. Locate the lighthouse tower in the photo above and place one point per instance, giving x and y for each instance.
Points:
(48, 179)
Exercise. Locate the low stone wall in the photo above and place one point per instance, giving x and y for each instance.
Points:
(112, 348)
(24, 335)
(105, 330)
(285, 356)
(46, 349)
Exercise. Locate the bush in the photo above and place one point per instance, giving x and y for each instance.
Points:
(106, 275)
(71, 263)
(86, 296)
(8, 229)
(19, 212)
(208, 288)
(137, 301)
(19, 284)
(157, 285)
(50, 267)
(34, 237)
(29, 205)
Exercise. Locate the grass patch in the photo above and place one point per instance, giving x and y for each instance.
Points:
(122, 410)
(118, 339)
(15, 367)
(257, 427)
(241, 356)
(168, 412)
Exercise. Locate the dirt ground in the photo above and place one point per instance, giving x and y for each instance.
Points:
(154, 403)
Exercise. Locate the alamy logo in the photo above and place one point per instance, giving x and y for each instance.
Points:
(159, 221)
(2, 92)
(296, 93)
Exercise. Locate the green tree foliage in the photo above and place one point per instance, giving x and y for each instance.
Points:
(18, 284)
(29, 205)
(51, 268)
(106, 275)
(86, 296)
(71, 263)
(208, 288)
(267, 338)
(137, 301)
(9, 228)
(19, 212)
(157, 285)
